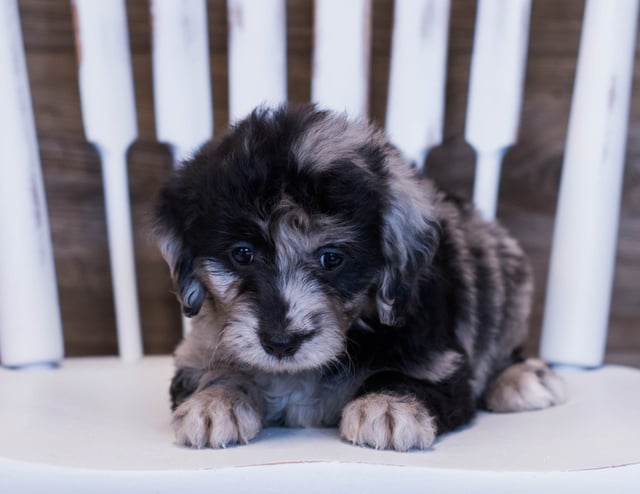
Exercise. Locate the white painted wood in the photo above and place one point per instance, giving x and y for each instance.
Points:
(415, 106)
(341, 55)
(181, 75)
(30, 325)
(487, 181)
(315, 478)
(100, 422)
(257, 55)
(181, 79)
(106, 86)
(109, 118)
(495, 91)
(585, 234)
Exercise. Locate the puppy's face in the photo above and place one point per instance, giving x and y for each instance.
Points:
(283, 227)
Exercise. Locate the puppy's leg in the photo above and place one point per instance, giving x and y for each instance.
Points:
(527, 385)
(398, 412)
(224, 409)
(183, 384)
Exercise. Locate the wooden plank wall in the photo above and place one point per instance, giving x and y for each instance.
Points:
(530, 173)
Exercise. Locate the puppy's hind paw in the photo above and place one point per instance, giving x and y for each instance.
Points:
(215, 417)
(529, 385)
(388, 421)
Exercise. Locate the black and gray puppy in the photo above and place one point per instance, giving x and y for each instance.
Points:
(329, 285)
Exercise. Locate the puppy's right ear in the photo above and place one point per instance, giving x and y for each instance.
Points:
(171, 219)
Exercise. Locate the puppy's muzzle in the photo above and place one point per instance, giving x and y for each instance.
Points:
(282, 345)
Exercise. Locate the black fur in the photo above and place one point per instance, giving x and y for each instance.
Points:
(183, 384)
(429, 301)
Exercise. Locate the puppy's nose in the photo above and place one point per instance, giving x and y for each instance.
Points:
(280, 345)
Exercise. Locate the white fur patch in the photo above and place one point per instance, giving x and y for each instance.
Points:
(216, 417)
(239, 335)
(387, 421)
(304, 298)
(333, 138)
(239, 341)
(529, 385)
(299, 236)
(170, 246)
(310, 310)
(222, 283)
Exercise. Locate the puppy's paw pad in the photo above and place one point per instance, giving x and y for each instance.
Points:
(529, 385)
(388, 421)
(216, 417)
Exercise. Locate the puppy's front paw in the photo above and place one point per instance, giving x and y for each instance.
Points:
(216, 417)
(529, 385)
(388, 421)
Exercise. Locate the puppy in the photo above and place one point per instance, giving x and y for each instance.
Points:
(329, 285)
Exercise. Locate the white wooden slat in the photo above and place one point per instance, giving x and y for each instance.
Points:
(30, 323)
(341, 56)
(181, 79)
(585, 232)
(257, 55)
(415, 106)
(181, 75)
(495, 91)
(109, 119)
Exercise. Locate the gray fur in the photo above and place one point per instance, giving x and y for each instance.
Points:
(243, 387)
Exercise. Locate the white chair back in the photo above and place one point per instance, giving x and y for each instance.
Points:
(579, 287)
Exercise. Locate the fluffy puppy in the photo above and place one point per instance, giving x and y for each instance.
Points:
(329, 285)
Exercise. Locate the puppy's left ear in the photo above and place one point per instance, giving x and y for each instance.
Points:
(410, 239)
(171, 218)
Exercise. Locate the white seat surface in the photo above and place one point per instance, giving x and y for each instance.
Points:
(103, 415)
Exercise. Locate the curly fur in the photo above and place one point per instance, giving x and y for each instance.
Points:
(328, 282)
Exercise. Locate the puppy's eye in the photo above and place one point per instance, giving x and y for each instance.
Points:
(331, 259)
(242, 254)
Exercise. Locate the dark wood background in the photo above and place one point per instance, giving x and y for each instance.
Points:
(528, 191)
